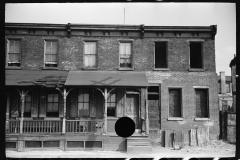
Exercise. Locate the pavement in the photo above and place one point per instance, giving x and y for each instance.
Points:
(110, 154)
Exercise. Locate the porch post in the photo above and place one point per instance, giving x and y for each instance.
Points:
(147, 121)
(64, 110)
(22, 111)
(105, 110)
(7, 113)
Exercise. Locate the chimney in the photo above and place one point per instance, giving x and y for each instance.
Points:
(222, 81)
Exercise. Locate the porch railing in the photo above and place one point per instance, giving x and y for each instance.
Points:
(42, 126)
(12, 126)
(84, 126)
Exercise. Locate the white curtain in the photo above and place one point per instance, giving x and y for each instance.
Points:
(90, 54)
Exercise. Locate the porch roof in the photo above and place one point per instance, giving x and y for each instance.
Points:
(30, 77)
(106, 78)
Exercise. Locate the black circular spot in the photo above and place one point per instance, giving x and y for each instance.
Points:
(124, 127)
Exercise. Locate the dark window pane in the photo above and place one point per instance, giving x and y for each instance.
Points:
(160, 54)
(11, 144)
(196, 55)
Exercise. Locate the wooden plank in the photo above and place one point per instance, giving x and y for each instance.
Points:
(169, 136)
(193, 137)
(178, 139)
(202, 136)
(143, 109)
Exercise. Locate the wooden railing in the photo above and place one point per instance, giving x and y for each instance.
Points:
(42, 126)
(12, 126)
(84, 126)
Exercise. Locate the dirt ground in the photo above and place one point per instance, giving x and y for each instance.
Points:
(214, 149)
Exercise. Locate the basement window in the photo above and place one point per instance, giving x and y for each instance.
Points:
(75, 144)
(160, 55)
(175, 107)
(33, 144)
(201, 99)
(93, 144)
(11, 145)
(50, 144)
(196, 60)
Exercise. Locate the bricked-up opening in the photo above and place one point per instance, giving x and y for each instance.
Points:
(33, 144)
(175, 103)
(201, 103)
(11, 145)
(93, 144)
(160, 54)
(196, 60)
(50, 144)
(153, 93)
(75, 144)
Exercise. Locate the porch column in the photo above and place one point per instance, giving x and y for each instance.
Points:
(23, 94)
(147, 121)
(7, 113)
(105, 110)
(64, 110)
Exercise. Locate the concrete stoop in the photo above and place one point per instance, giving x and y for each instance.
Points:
(139, 145)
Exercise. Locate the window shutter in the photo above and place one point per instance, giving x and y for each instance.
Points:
(15, 98)
(143, 103)
(68, 105)
(92, 104)
(74, 104)
(61, 104)
(34, 109)
(120, 101)
(43, 103)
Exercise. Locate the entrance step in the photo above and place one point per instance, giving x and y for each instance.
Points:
(139, 145)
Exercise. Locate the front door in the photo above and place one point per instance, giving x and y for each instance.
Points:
(132, 109)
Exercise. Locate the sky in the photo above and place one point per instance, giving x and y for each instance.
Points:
(150, 14)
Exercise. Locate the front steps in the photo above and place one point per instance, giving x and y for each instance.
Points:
(139, 145)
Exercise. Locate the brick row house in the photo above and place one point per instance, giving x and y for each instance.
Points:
(68, 84)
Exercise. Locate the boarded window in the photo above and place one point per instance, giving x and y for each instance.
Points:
(90, 54)
(175, 103)
(160, 54)
(196, 60)
(201, 103)
(83, 102)
(33, 144)
(125, 55)
(75, 144)
(52, 104)
(93, 144)
(50, 143)
(14, 53)
(111, 104)
(51, 53)
(11, 145)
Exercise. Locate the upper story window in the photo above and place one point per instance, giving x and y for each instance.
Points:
(196, 59)
(90, 54)
(14, 52)
(160, 55)
(125, 55)
(51, 53)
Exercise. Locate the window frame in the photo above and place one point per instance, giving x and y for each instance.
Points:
(131, 55)
(181, 103)
(8, 51)
(57, 53)
(195, 104)
(201, 41)
(112, 92)
(167, 55)
(96, 54)
(83, 89)
(57, 112)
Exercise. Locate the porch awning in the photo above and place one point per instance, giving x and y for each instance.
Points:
(29, 78)
(106, 78)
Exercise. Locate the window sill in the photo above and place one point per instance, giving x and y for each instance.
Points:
(13, 68)
(49, 68)
(175, 119)
(161, 69)
(125, 69)
(196, 70)
(201, 119)
(90, 69)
